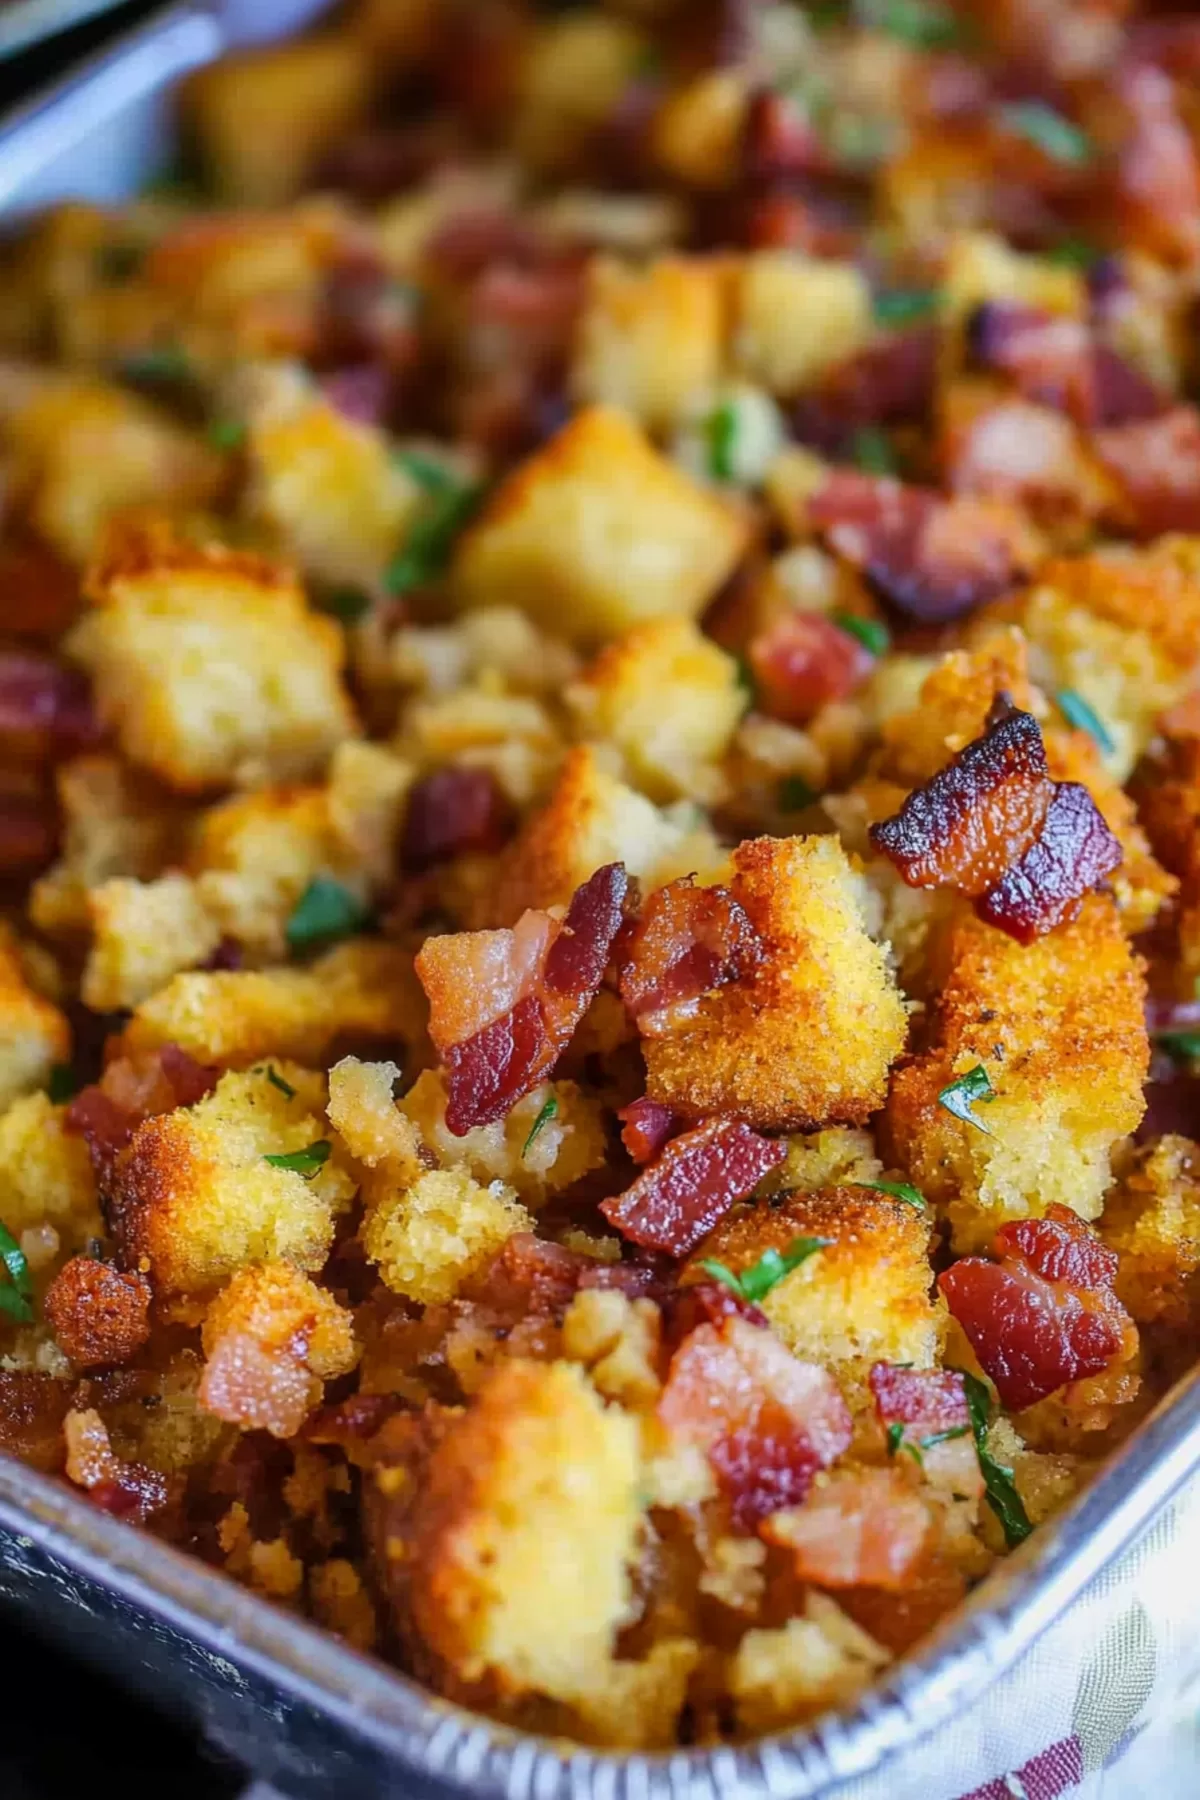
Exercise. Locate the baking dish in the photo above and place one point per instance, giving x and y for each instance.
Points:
(294, 1705)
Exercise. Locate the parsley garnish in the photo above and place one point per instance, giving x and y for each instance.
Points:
(756, 1282)
(872, 451)
(1073, 253)
(871, 633)
(16, 1294)
(1183, 1045)
(745, 677)
(905, 305)
(722, 428)
(549, 1111)
(226, 434)
(433, 476)
(345, 603)
(1077, 711)
(795, 794)
(895, 1436)
(159, 363)
(1041, 125)
(302, 1162)
(958, 1096)
(62, 1084)
(276, 1080)
(899, 1190)
(920, 22)
(426, 550)
(1002, 1495)
(944, 1437)
(325, 912)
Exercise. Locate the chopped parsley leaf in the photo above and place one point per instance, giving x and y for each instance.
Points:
(16, 1294)
(794, 794)
(1184, 1046)
(426, 551)
(158, 364)
(745, 676)
(895, 1436)
(756, 1282)
(62, 1084)
(944, 1437)
(903, 306)
(1084, 717)
(1074, 253)
(873, 452)
(1041, 125)
(325, 912)
(899, 1190)
(958, 1096)
(226, 434)
(276, 1080)
(872, 634)
(722, 429)
(429, 474)
(1001, 1489)
(345, 603)
(921, 22)
(304, 1162)
(549, 1111)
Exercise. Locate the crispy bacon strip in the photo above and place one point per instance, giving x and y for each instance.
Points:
(98, 1315)
(889, 383)
(930, 557)
(108, 1112)
(861, 1528)
(646, 1125)
(766, 1421)
(802, 662)
(689, 941)
(1057, 362)
(1157, 463)
(450, 812)
(128, 1490)
(1045, 1314)
(917, 1408)
(993, 825)
(1158, 173)
(692, 1183)
(44, 707)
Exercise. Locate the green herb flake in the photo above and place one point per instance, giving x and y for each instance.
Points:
(961, 1094)
(303, 1162)
(426, 550)
(16, 1294)
(724, 1275)
(923, 23)
(872, 634)
(899, 1190)
(434, 477)
(62, 1084)
(349, 604)
(1084, 717)
(1184, 1046)
(745, 678)
(794, 794)
(944, 1437)
(549, 1111)
(895, 1436)
(325, 913)
(226, 434)
(756, 1282)
(1041, 125)
(904, 306)
(157, 365)
(276, 1080)
(1001, 1488)
(722, 429)
(872, 451)
(1074, 253)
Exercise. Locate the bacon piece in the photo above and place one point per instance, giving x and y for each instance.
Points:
(107, 1112)
(28, 824)
(1045, 1314)
(689, 941)
(766, 1421)
(692, 1183)
(365, 318)
(931, 558)
(646, 1125)
(1157, 463)
(45, 709)
(128, 1490)
(362, 393)
(779, 139)
(802, 662)
(39, 594)
(352, 1421)
(861, 1528)
(993, 825)
(376, 162)
(99, 1315)
(926, 1404)
(451, 812)
(705, 1303)
(1158, 175)
(1057, 362)
(889, 383)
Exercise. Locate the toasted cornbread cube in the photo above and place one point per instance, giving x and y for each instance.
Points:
(429, 1239)
(46, 1174)
(512, 735)
(329, 488)
(697, 131)
(568, 1144)
(363, 1110)
(865, 1298)
(301, 98)
(84, 451)
(362, 991)
(981, 267)
(795, 317)
(636, 1705)
(209, 666)
(144, 933)
(797, 1670)
(194, 1199)
(650, 339)
(597, 532)
(1152, 1221)
(591, 819)
(670, 700)
(572, 75)
(534, 1469)
(115, 823)
(808, 1037)
(1058, 1025)
(618, 1341)
(34, 1034)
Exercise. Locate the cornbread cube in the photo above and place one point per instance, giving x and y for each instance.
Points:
(808, 1037)
(670, 701)
(430, 1238)
(650, 339)
(144, 932)
(363, 1110)
(982, 267)
(1058, 1025)
(597, 532)
(795, 317)
(636, 1705)
(569, 1143)
(571, 77)
(173, 1433)
(194, 1198)
(534, 1469)
(115, 823)
(698, 128)
(865, 1298)
(591, 819)
(301, 96)
(512, 735)
(362, 991)
(46, 1173)
(1152, 1220)
(794, 1671)
(34, 1034)
(208, 665)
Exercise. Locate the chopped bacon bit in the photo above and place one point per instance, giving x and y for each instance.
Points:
(995, 827)
(257, 1386)
(365, 319)
(1157, 463)
(578, 956)
(468, 241)
(128, 1490)
(99, 1315)
(860, 1528)
(926, 1404)
(1021, 454)
(705, 1303)
(766, 1421)
(39, 594)
(377, 161)
(931, 558)
(692, 1184)
(28, 827)
(646, 1125)
(1056, 362)
(889, 383)
(1045, 1315)
(45, 707)
(108, 1112)
(450, 812)
(802, 662)
(350, 1421)
(779, 139)
(1158, 174)
(688, 941)
(361, 393)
